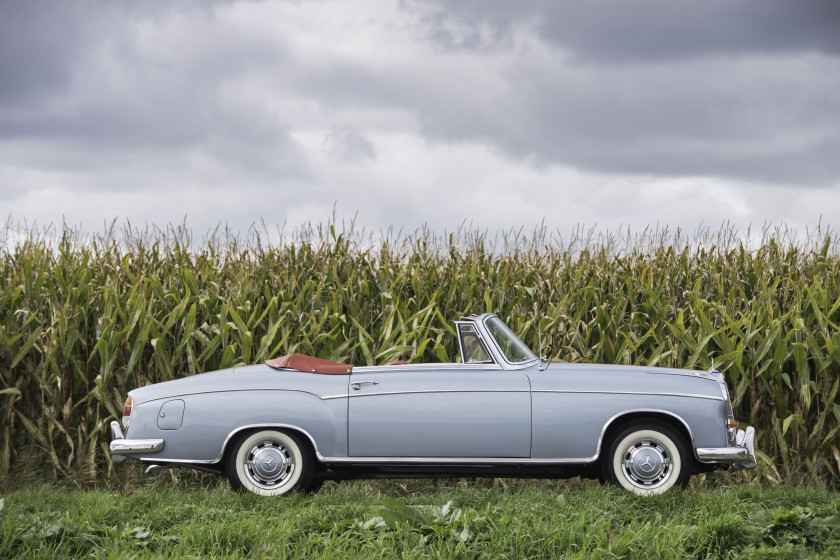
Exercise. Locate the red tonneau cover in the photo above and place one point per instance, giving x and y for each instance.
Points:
(302, 362)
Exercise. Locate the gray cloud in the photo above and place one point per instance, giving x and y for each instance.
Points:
(592, 111)
(43, 44)
(123, 86)
(38, 45)
(642, 30)
(349, 145)
(762, 118)
(746, 90)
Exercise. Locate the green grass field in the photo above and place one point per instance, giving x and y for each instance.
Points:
(490, 518)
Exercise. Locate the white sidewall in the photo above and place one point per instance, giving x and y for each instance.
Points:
(288, 442)
(667, 443)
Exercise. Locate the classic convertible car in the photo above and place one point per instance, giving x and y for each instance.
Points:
(293, 422)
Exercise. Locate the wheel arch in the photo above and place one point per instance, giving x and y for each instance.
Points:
(621, 419)
(297, 430)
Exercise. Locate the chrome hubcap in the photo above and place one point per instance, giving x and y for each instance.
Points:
(647, 464)
(269, 464)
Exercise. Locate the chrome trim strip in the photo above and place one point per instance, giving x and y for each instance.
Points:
(412, 460)
(185, 461)
(124, 446)
(636, 410)
(658, 394)
(428, 366)
(457, 460)
(439, 391)
(256, 388)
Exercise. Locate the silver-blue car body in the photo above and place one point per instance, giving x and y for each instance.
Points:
(502, 411)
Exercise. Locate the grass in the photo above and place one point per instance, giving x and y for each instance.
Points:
(422, 519)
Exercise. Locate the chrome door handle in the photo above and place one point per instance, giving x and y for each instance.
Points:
(358, 384)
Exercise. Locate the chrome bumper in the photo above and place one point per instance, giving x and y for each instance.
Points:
(742, 456)
(121, 446)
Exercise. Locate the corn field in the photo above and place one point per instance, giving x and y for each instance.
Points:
(85, 318)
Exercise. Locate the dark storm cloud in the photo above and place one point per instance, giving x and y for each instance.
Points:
(620, 30)
(43, 42)
(764, 118)
(84, 79)
(38, 46)
(738, 89)
(710, 119)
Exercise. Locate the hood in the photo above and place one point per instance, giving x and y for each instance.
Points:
(644, 370)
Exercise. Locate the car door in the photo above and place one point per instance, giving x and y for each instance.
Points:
(439, 411)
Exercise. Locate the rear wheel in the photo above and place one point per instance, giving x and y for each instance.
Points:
(646, 457)
(270, 463)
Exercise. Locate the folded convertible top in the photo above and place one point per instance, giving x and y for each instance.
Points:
(302, 362)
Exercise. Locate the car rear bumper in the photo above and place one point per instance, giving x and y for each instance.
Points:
(120, 447)
(740, 456)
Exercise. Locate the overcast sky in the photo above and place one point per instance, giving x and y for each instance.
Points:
(500, 113)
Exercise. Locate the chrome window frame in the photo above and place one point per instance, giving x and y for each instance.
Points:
(479, 337)
(495, 349)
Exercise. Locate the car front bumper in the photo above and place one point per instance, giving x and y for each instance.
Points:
(120, 447)
(740, 456)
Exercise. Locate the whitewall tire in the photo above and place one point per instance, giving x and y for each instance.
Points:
(270, 463)
(647, 458)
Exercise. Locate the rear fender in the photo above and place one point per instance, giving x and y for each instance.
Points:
(212, 420)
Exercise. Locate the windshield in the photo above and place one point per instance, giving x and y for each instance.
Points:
(510, 345)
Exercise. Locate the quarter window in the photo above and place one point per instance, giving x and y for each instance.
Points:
(472, 349)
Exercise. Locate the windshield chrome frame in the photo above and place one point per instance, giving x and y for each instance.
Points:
(493, 346)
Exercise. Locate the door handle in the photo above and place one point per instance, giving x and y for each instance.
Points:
(358, 384)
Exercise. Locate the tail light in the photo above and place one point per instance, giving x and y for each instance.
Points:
(731, 424)
(126, 413)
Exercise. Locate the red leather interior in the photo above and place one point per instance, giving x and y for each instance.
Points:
(310, 364)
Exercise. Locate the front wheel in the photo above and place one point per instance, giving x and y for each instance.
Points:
(270, 463)
(647, 458)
